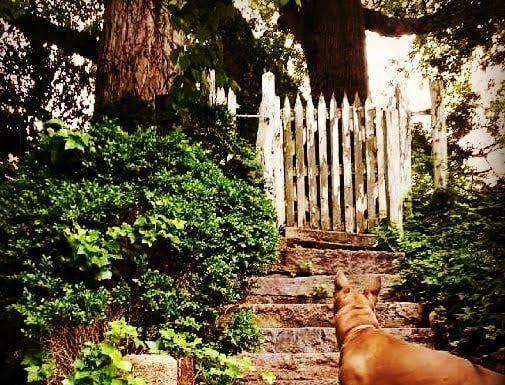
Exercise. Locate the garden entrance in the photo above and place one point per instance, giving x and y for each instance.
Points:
(336, 165)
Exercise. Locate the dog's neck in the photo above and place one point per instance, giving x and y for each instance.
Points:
(350, 320)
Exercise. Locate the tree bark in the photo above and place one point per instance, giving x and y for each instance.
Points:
(332, 34)
(135, 51)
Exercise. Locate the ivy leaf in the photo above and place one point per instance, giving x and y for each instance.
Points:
(104, 275)
(124, 365)
(153, 346)
(268, 377)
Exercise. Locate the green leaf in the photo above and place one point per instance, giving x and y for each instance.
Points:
(268, 377)
(125, 365)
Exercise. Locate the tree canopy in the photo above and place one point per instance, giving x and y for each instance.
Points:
(49, 54)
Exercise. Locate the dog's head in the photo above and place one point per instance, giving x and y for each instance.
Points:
(343, 295)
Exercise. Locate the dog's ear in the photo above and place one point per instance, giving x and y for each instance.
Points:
(372, 289)
(341, 282)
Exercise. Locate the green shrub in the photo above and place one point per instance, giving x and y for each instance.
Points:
(454, 244)
(135, 219)
(242, 332)
(103, 363)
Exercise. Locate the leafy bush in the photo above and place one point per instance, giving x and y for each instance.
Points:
(132, 219)
(454, 244)
(103, 363)
(242, 332)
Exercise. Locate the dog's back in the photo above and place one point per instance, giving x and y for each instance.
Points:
(371, 357)
(376, 358)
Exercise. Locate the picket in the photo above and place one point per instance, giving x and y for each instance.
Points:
(312, 171)
(380, 123)
(439, 134)
(221, 96)
(232, 102)
(405, 138)
(371, 164)
(264, 138)
(359, 187)
(278, 161)
(347, 167)
(289, 152)
(336, 214)
(323, 163)
(393, 169)
(301, 172)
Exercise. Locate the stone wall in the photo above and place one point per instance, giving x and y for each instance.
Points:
(159, 369)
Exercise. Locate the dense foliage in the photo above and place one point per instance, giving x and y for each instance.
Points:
(103, 362)
(39, 80)
(136, 220)
(454, 244)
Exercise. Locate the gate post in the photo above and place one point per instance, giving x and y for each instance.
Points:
(438, 134)
(269, 144)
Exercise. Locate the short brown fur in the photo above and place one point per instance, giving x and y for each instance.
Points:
(371, 357)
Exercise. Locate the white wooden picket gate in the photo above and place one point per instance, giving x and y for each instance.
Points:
(335, 167)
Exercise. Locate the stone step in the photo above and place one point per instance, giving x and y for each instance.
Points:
(323, 340)
(390, 314)
(326, 381)
(289, 367)
(319, 245)
(338, 237)
(301, 261)
(313, 289)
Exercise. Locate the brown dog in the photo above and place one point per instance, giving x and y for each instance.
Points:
(369, 356)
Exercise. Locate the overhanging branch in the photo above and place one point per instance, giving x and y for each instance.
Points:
(393, 26)
(68, 40)
(452, 14)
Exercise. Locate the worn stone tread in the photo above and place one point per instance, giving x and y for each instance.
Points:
(319, 245)
(326, 381)
(300, 260)
(295, 366)
(390, 314)
(361, 240)
(313, 289)
(323, 340)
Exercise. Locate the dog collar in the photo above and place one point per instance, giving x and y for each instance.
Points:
(352, 333)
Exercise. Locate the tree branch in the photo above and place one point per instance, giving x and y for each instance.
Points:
(453, 14)
(393, 26)
(291, 19)
(70, 41)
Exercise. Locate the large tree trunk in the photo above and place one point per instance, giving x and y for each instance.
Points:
(134, 54)
(332, 34)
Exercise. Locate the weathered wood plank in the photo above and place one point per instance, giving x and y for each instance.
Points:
(336, 215)
(359, 166)
(211, 86)
(311, 165)
(323, 164)
(264, 138)
(301, 172)
(408, 155)
(289, 149)
(371, 165)
(347, 166)
(278, 157)
(393, 168)
(438, 134)
(232, 102)
(381, 162)
(221, 96)
(402, 108)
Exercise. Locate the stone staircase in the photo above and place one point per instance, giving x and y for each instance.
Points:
(294, 306)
